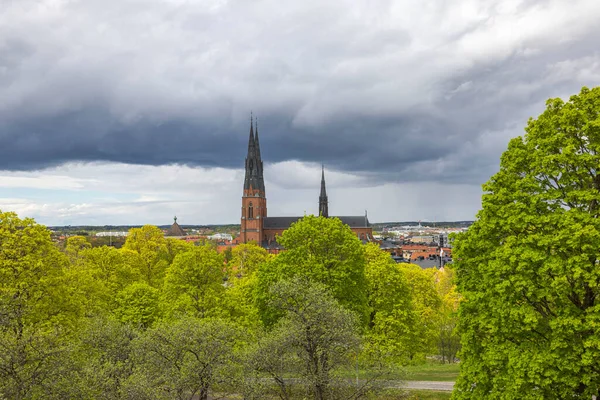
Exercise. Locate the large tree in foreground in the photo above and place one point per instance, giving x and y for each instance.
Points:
(528, 267)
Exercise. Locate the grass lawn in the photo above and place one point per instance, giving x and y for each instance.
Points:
(428, 371)
(428, 395)
(432, 372)
(412, 395)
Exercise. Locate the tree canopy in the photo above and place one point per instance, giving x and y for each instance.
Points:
(528, 267)
(161, 318)
(326, 251)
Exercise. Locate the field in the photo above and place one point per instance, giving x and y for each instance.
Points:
(428, 395)
(432, 372)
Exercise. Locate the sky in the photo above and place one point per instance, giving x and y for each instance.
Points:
(133, 111)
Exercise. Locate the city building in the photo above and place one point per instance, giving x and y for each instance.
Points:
(257, 226)
(175, 230)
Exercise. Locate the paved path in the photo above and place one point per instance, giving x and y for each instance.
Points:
(429, 385)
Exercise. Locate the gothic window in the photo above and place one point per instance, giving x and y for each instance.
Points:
(250, 211)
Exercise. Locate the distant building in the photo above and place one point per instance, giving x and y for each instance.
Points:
(256, 226)
(426, 239)
(175, 230)
(116, 234)
(220, 237)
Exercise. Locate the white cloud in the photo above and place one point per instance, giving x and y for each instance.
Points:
(210, 196)
(9, 179)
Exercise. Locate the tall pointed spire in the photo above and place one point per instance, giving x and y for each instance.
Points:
(323, 202)
(254, 165)
(251, 138)
(256, 136)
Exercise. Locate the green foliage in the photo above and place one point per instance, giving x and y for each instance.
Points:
(74, 245)
(426, 304)
(186, 358)
(194, 283)
(162, 318)
(32, 279)
(175, 247)
(154, 254)
(448, 340)
(392, 315)
(239, 302)
(111, 267)
(138, 304)
(105, 359)
(246, 259)
(228, 254)
(323, 250)
(31, 361)
(528, 267)
(314, 338)
(98, 274)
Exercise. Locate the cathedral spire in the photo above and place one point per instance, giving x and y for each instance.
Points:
(256, 136)
(323, 202)
(251, 138)
(254, 164)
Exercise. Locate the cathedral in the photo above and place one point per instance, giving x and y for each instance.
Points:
(257, 227)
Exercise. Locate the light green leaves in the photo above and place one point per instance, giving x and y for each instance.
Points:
(528, 266)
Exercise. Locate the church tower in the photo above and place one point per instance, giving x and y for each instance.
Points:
(254, 201)
(323, 202)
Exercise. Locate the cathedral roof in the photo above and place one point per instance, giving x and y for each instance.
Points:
(175, 229)
(360, 221)
(279, 222)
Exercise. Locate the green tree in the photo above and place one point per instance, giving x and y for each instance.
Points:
(151, 246)
(246, 259)
(176, 246)
(528, 267)
(31, 361)
(138, 304)
(323, 250)
(185, 359)
(448, 340)
(228, 254)
(240, 302)
(194, 283)
(74, 245)
(98, 275)
(392, 315)
(314, 339)
(33, 286)
(104, 356)
(426, 306)
(109, 266)
(37, 309)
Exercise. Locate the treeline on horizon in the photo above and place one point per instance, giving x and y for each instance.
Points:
(85, 229)
(93, 228)
(161, 318)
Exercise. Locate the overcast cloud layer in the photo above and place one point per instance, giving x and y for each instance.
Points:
(408, 103)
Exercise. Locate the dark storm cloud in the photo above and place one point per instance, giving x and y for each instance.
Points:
(393, 94)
